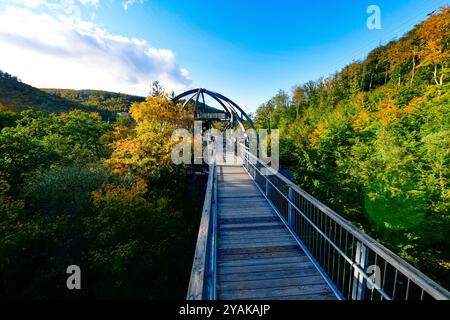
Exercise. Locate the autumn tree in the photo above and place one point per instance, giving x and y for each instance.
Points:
(298, 98)
(156, 89)
(434, 35)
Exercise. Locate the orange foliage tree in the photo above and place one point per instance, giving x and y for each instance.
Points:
(434, 36)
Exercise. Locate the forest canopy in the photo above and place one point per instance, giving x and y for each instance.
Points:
(77, 190)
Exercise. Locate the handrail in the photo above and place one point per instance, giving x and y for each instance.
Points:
(312, 222)
(202, 283)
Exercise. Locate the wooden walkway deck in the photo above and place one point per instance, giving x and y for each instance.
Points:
(257, 257)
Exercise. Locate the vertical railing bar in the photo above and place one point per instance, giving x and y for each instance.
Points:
(384, 277)
(422, 294)
(350, 267)
(375, 263)
(325, 258)
(344, 268)
(311, 239)
(339, 257)
(297, 218)
(325, 243)
(407, 289)
(329, 245)
(319, 238)
(395, 284)
(334, 251)
(300, 217)
(305, 225)
(317, 233)
(309, 227)
(322, 246)
(305, 234)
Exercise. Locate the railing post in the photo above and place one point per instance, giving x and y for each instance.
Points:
(267, 177)
(359, 283)
(291, 211)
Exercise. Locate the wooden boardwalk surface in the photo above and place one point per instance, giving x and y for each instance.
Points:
(257, 256)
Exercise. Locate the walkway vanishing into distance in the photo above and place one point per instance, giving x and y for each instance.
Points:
(263, 237)
(257, 257)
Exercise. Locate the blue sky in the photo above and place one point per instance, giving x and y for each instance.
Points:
(246, 49)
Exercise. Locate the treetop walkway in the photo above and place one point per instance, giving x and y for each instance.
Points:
(263, 237)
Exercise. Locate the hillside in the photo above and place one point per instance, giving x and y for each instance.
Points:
(19, 96)
(97, 99)
(373, 142)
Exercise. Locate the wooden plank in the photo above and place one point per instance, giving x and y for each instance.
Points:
(277, 274)
(272, 283)
(257, 243)
(250, 203)
(232, 236)
(259, 249)
(247, 219)
(274, 292)
(251, 227)
(236, 235)
(279, 230)
(241, 243)
(290, 253)
(250, 221)
(315, 296)
(262, 261)
(264, 267)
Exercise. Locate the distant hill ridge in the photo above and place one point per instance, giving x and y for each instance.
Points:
(16, 95)
(97, 99)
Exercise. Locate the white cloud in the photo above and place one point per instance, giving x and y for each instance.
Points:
(48, 51)
(30, 3)
(128, 3)
(94, 3)
(54, 3)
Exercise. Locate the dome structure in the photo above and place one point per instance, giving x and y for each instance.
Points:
(229, 111)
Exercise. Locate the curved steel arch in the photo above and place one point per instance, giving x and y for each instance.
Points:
(229, 106)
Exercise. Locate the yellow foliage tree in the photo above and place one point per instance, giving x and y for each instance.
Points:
(434, 36)
(146, 149)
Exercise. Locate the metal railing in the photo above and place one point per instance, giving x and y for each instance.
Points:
(355, 265)
(202, 284)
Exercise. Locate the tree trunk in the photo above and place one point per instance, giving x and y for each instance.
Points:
(399, 81)
(413, 69)
(441, 79)
(435, 74)
(385, 76)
